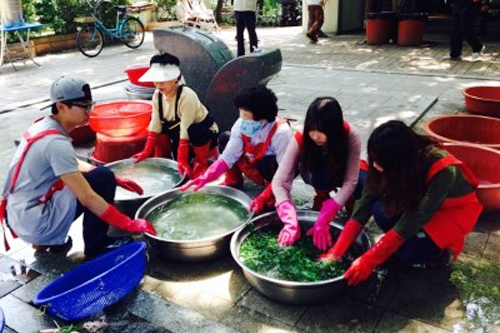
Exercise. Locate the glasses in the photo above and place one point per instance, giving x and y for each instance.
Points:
(86, 107)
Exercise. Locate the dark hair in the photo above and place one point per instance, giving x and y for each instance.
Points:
(55, 111)
(261, 101)
(164, 59)
(400, 152)
(325, 115)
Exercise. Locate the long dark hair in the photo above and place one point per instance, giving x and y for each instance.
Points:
(400, 152)
(325, 115)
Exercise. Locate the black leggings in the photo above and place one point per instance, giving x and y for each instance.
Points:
(102, 180)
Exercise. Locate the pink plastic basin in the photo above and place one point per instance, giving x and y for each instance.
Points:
(120, 118)
(484, 162)
(135, 72)
(465, 128)
(483, 100)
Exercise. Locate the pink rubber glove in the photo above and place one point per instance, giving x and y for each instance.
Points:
(129, 185)
(291, 230)
(320, 232)
(213, 172)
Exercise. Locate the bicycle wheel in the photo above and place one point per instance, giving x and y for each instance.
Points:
(132, 32)
(90, 40)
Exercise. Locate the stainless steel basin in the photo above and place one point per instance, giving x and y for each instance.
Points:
(192, 250)
(130, 204)
(288, 291)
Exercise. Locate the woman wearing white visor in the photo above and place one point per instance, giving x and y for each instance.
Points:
(179, 120)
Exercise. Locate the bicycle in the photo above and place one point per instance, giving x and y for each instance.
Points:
(90, 38)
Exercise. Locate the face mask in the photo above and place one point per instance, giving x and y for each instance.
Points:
(250, 127)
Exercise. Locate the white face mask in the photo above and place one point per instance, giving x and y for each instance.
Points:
(250, 127)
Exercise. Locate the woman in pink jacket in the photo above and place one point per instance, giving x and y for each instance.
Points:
(327, 155)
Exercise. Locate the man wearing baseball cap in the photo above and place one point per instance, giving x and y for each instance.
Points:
(47, 187)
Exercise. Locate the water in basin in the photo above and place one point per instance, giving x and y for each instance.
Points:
(152, 177)
(192, 216)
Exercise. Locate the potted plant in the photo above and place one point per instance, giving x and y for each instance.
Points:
(411, 23)
(381, 22)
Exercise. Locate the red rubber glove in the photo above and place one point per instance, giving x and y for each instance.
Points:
(349, 233)
(129, 185)
(149, 148)
(113, 217)
(291, 230)
(363, 267)
(182, 158)
(213, 172)
(320, 232)
(263, 200)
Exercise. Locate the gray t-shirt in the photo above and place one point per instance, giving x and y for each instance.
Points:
(46, 160)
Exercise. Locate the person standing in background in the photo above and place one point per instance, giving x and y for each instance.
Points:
(464, 13)
(316, 19)
(244, 15)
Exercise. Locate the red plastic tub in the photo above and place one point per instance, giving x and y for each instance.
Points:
(135, 72)
(484, 163)
(410, 32)
(120, 118)
(378, 31)
(108, 149)
(483, 100)
(82, 134)
(465, 128)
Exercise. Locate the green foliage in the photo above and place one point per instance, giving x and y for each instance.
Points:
(261, 253)
(478, 279)
(165, 10)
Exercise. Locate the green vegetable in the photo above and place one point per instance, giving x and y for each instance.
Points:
(261, 253)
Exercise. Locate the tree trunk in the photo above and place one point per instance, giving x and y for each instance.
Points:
(218, 11)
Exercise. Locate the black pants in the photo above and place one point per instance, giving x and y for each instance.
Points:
(246, 20)
(463, 28)
(199, 135)
(102, 180)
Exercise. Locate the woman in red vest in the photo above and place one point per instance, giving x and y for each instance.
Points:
(423, 198)
(255, 146)
(327, 157)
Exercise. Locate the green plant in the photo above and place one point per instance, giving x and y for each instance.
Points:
(165, 10)
(261, 253)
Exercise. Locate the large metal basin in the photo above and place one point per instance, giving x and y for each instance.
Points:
(288, 291)
(192, 250)
(131, 202)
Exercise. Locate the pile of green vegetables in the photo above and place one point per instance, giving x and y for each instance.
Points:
(261, 253)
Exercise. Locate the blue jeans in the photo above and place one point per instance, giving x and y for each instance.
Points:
(418, 249)
(102, 180)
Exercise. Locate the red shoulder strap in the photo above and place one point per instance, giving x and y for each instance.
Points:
(446, 161)
(263, 147)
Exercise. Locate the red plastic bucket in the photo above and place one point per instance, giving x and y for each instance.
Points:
(378, 31)
(410, 32)
(465, 129)
(108, 149)
(135, 72)
(483, 100)
(484, 163)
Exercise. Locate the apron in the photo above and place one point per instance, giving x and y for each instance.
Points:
(46, 197)
(252, 154)
(457, 216)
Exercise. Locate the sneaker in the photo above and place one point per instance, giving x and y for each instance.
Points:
(312, 38)
(448, 57)
(257, 50)
(476, 55)
(62, 249)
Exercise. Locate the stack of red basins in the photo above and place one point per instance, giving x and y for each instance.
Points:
(136, 89)
(121, 128)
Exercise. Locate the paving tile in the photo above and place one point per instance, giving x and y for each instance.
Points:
(492, 251)
(475, 244)
(249, 321)
(341, 315)
(184, 271)
(286, 313)
(22, 317)
(173, 317)
(393, 322)
(434, 303)
(31, 289)
(203, 302)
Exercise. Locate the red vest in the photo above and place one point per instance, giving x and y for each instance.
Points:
(457, 216)
(251, 154)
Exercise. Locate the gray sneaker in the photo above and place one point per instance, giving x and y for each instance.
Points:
(475, 55)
